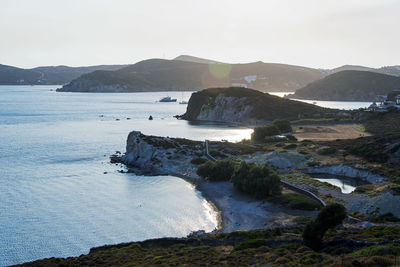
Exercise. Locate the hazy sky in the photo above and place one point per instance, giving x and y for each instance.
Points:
(314, 33)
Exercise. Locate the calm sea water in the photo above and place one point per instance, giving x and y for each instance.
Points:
(329, 104)
(59, 195)
(55, 199)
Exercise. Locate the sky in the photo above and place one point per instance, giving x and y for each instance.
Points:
(312, 33)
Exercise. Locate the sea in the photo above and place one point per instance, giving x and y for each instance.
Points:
(60, 195)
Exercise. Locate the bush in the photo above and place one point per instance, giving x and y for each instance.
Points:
(221, 170)
(297, 201)
(198, 161)
(329, 217)
(261, 132)
(283, 125)
(326, 151)
(252, 243)
(387, 217)
(290, 146)
(379, 250)
(291, 137)
(257, 181)
(313, 163)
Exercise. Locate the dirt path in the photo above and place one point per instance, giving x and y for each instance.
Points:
(329, 132)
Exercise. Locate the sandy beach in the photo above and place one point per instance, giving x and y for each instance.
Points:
(241, 212)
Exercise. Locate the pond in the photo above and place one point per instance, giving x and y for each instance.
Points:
(346, 184)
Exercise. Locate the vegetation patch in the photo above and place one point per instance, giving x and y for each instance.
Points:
(257, 181)
(198, 161)
(327, 151)
(379, 250)
(297, 201)
(221, 170)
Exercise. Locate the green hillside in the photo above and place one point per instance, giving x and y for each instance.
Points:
(179, 75)
(349, 86)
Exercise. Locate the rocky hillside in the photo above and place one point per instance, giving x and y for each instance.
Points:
(47, 75)
(349, 86)
(246, 106)
(184, 74)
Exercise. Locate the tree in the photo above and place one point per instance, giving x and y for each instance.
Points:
(221, 170)
(283, 125)
(261, 132)
(329, 217)
(257, 181)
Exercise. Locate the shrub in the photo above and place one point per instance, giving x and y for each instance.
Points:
(326, 151)
(387, 217)
(313, 163)
(283, 125)
(297, 201)
(379, 250)
(221, 170)
(198, 161)
(261, 132)
(329, 217)
(290, 146)
(291, 137)
(257, 181)
(252, 243)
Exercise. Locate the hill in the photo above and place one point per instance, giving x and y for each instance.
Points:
(246, 106)
(389, 70)
(47, 75)
(178, 75)
(188, 58)
(349, 86)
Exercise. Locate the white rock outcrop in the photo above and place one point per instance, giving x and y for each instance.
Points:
(156, 155)
(226, 109)
(384, 203)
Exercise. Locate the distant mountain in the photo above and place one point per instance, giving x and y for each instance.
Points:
(188, 58)
(47, 75)
(349, 85)
(168, 75)
(389, 70)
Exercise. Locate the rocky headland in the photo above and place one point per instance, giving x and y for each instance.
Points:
(246, 106)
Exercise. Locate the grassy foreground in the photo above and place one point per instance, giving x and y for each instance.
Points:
(373, 246)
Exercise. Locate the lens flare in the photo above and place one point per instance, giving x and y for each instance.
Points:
(220, 71)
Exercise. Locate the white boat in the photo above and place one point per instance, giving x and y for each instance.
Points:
(167, 99)
(184, 102)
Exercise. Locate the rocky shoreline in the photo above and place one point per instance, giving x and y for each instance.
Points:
(153, 155)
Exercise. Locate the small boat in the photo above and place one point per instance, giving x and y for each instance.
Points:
(167, 99)
(183, 102)
(314, 103)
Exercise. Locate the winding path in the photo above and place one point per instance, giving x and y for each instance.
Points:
(283, 182)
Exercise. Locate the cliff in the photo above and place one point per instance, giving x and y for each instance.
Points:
(349, 86)
(245, 106)
(159, 155)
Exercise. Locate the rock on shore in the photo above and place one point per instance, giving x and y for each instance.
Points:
(159, 155)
